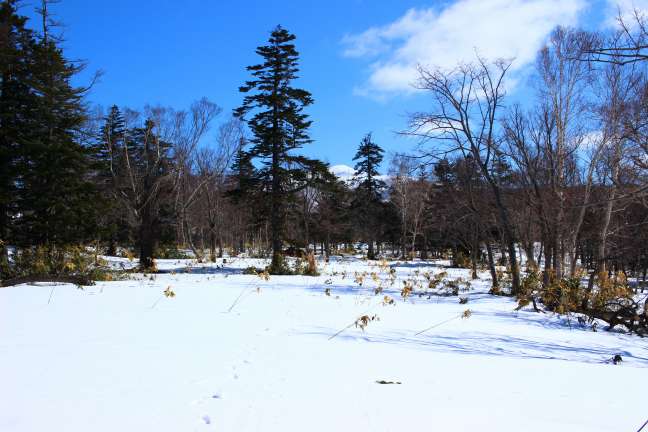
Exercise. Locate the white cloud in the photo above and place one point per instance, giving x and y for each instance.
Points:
(378, 39)
(446, 37)
(626, 10)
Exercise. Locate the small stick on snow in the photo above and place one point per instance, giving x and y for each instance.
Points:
(643, 426)
(356, 321)
(336, 334)
(157, 301)
(51, 294)
(237, 299)
(438, 324)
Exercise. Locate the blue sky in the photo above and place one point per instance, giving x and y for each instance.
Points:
(357, 55)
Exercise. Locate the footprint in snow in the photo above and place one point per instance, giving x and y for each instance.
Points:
(206, 419)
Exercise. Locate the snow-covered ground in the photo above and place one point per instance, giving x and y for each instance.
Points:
(233, 352)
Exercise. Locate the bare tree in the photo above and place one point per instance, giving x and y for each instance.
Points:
(627, 45)
(186, 129)
(467, 102)
(400, 170)
(139, 164)
(213, 165)
(620, 84)
(563, 104)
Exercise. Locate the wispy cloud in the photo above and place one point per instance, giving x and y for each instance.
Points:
(446, 37)
(626, 10)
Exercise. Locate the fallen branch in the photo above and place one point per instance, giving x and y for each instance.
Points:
(76, 280)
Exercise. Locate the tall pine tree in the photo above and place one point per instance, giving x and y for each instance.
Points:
(369, 188)
(56, 196)
(46, 193)
(109, 160)
(279, 126)
(17, 103)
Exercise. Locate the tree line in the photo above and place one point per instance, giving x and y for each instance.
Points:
(563, 179)
(145, 182)
(558, 185)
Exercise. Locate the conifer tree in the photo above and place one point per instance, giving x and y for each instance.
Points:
(245, 175)
(108, 158)
(16, 119)
(279, 126)
(369, 188)
(55, 197)
(333, 218)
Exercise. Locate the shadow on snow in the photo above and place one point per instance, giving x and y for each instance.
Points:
(479, 343)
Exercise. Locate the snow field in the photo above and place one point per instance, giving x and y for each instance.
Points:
(233, 352)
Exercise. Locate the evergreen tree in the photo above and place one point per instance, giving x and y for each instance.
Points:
(333, 219)
(246, 195)
(443, 171)
(245, 176)
(279, 126)
(51, 196)
(369, 188)
(17, 102)
(109, 162)
(57, 197)
(112, 136)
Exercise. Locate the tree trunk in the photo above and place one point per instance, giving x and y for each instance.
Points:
(547, 273)
(112, 246)
(491, 265)
(147, 242)
(600, 254)
(557, 267)
(507, 228)
(474, 256)
(424, 251)
(212, 243)
(528, 250)
(4, 261)
(276, 217)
